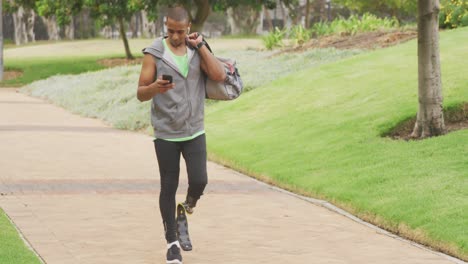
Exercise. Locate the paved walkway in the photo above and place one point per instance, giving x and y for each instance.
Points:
(81, 192)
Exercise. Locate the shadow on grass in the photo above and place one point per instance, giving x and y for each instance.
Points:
(455, 117)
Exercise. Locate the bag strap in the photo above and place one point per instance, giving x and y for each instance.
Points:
(207, 45)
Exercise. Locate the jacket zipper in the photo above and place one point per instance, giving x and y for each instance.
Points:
(189, 102)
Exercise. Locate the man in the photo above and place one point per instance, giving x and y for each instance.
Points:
(177, 114)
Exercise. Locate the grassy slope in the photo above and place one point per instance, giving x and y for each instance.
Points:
(317, 132)
(12, 248)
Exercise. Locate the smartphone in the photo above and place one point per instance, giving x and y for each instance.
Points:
(167, 78)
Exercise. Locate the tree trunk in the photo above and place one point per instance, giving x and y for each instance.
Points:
(134, 25)
(232, 21)
(284, 15)
(124, 38)
(294, 13)
(148, 28)
(307, 14)
(319, 10)
(30, 17)
(140, 22)
(84, 25)
(268, 18)
(20, 27)
(70, 29)
(243, 20)
(430, 118)
(203, 11)
(52, 28)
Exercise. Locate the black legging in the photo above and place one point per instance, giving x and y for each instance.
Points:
(168, 154)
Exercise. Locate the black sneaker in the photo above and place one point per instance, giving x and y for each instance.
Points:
(173, 255)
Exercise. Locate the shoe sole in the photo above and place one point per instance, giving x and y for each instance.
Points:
(176, 261)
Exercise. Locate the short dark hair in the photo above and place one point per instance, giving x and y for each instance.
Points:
(178, 14)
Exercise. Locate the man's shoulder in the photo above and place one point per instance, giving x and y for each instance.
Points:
(156, 48)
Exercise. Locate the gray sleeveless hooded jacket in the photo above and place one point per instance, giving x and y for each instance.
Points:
(179, 112)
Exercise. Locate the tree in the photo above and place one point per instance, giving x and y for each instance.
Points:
(120, 11)
(243, 15)
(243, 20)
(430, 118)
(396, 8)
(112, 11)
(294, 10)
(307, 14)
(202, 13)
(61, 12)
(199, 10)
(23, 19)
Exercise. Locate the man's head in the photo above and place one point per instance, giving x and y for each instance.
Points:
(178, 25)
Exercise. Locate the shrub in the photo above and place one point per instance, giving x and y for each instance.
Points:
(350, 26)
(274, 39)
(321, 29)
(354, 24)
(453, 13)
(368, 22)
(300, 35)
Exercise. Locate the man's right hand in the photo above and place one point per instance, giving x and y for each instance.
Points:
(147, 86)
(162, 86)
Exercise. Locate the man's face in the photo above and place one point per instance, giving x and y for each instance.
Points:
(177, 31)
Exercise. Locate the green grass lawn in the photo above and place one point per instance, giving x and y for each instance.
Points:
(38, 69)
(317, 132)
(12, 247)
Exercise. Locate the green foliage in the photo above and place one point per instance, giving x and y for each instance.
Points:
(10, 6)
(453, 13)
(300, 35)
(354, 24)
(321, 29)
(151, 7)
(396, 8)
(222, 5)
(350, 26)
(108, 11)
(274, 39)
(63, 10)
(368, 22)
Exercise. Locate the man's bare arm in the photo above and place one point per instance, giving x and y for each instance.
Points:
(209, 64)
(147, 86)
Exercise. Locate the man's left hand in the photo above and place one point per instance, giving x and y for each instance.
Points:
(194, 39)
